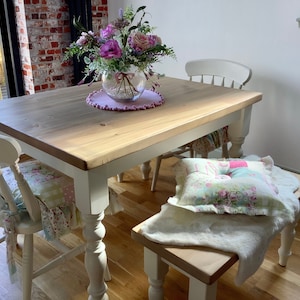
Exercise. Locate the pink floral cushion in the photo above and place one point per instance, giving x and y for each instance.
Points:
(227, 186)
(55, 192)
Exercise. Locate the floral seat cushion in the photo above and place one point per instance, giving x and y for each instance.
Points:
(55, 192)
(211, 141)
(227, 186)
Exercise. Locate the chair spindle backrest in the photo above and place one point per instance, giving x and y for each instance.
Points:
(219, 72)
(9, 156)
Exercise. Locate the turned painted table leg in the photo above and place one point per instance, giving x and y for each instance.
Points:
(236, 150)
(237, 132)
(287, 238)
(156, 270)
(95, 255)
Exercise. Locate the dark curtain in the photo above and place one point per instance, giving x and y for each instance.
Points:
(11, 48)
(82, 9)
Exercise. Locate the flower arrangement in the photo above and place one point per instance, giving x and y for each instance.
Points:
(125, 42)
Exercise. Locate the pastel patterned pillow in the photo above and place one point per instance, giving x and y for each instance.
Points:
(227, 186)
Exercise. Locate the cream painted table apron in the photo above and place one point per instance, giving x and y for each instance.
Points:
(58, 128)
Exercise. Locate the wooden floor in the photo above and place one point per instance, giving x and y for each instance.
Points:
(125, 257)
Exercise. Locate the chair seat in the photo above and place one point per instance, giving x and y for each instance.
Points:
(55, 193)
(26, 225)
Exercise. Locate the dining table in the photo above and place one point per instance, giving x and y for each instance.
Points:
(91, 144)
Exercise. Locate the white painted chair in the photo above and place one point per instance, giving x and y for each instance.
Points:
(26, 220)
(217, 72)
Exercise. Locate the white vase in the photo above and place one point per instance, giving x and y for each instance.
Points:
(124, 86)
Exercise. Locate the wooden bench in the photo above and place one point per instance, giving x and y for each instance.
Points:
(203, 266)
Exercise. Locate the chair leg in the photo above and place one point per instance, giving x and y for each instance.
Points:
(204, 155)
(145, 169)
(200, 290)
(27, 266)
(225, 152)
(287, 238)
(120, 177)
(155, 173)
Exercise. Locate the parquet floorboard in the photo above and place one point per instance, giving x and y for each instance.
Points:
(69, 281)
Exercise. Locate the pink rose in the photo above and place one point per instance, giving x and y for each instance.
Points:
(110, 49)
(140, 42)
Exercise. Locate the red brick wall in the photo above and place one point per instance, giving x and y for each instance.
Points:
(44, 32)
(99, 14)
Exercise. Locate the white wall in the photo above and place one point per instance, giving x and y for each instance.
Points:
(262, 34)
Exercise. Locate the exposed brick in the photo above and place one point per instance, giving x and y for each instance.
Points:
(56, 29)
(44, 33)
(58, 77)
(54, 44)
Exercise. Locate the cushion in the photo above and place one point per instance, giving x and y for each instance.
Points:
(47, 184)
(211, 141)
(55, 192)
(227, 186)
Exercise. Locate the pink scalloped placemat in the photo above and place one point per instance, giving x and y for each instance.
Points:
(149, 99)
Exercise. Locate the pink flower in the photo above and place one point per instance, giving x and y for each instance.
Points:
(110, 49)
(83, 39)
(154, 40)
(222, 193)
(141, 42)
(108, 32)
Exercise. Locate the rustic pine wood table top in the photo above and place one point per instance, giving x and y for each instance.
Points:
(60, 122)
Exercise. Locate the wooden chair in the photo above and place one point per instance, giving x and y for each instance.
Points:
(26, 220)
(217, 72)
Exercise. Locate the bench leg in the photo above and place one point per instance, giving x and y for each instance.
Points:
(199, 290)
(156, 270)
(287, 238)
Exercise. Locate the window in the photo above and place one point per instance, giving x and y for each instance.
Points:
(12, 85)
